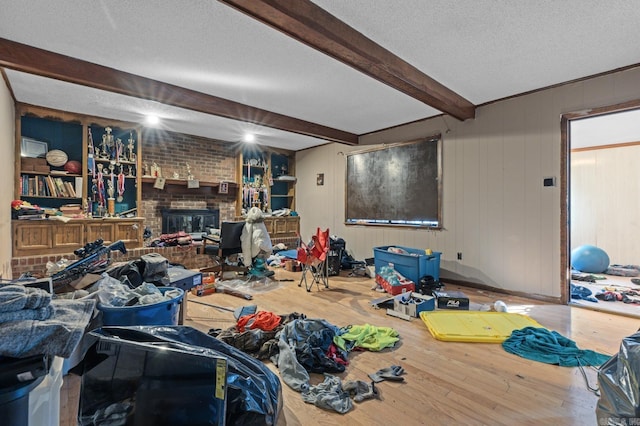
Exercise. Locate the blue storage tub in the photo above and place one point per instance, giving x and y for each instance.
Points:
(414, 265)
(162, 313)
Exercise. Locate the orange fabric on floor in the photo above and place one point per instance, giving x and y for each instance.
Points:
(263, 320)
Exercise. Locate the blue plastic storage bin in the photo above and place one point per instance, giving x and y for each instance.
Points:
(414, 265)
(162, 313)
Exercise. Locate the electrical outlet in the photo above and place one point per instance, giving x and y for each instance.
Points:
(459, 255)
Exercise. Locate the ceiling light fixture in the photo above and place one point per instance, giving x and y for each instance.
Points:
(249, 137)
(152, 120)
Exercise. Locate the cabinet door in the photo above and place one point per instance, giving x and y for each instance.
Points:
(280, 227)
(129, 232)
(69, 237)
(29, 238)
(102, 230)
(269, 224)
(293, 226)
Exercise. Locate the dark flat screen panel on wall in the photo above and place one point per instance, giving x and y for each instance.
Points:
(397, 184)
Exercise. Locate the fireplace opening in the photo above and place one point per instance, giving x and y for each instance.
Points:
(192, 221)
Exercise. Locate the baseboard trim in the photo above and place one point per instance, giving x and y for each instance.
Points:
(540, 297)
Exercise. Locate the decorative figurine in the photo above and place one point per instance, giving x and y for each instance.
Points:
(189, 175)
(108, 148)
(155, 170)
(110, 189)
(130, 147)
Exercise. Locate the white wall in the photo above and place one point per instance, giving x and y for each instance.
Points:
(605, 201)
(496, 211)
(7, 158)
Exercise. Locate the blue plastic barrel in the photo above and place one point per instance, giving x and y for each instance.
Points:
(162, 313)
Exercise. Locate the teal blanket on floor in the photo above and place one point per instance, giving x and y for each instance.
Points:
(540, 344)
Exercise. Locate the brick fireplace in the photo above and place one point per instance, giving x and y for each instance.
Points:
(209, 161)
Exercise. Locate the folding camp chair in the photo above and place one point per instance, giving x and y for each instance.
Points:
(313, 258)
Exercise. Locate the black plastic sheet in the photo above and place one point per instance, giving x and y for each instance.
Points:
(619, 382)
(253, 392)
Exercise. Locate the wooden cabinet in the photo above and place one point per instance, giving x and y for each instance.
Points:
(43, 237)
(281, 229)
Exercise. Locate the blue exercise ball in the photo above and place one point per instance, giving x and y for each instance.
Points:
(589, 259)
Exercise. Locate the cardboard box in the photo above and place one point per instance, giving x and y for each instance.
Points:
(292, 266)
(29, 164)
(413, 303)
(452, 300)
(184, 279)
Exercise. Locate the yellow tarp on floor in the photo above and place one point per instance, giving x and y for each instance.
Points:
(474, 326)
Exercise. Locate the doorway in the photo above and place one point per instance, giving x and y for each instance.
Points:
(601, 184)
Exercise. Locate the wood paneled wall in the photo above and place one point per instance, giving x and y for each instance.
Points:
(496, 211)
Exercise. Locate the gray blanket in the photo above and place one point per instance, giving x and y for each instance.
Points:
(59, 335)
(17, 297)
(39, 314)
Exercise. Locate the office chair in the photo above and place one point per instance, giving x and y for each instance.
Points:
(228, 245)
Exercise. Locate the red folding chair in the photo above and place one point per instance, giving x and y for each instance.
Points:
(313, 258)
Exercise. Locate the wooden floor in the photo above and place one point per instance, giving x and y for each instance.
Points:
(445, 383)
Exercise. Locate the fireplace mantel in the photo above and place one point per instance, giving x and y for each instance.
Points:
(181, 185)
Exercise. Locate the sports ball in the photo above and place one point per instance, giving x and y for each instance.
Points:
(57, 158)
(589, 259)
(73, 166)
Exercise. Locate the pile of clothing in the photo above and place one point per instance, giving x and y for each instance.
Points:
(299, 346)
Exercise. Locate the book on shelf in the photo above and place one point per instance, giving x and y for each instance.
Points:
(31, 188)
(52, 186)
(70, 191)
(72, 208)
(60, 187)
(78, 186)
(32, 216)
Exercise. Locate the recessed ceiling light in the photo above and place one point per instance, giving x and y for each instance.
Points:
(249, 137)
(152, 120)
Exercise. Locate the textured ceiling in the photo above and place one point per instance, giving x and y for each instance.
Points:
(481, 49)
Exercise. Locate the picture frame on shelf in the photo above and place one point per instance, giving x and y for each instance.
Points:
(33, 148)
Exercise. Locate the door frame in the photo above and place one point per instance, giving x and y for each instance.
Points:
(565, 186)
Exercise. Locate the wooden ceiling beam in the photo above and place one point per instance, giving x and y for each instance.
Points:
(312, 25)
(21, 57)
